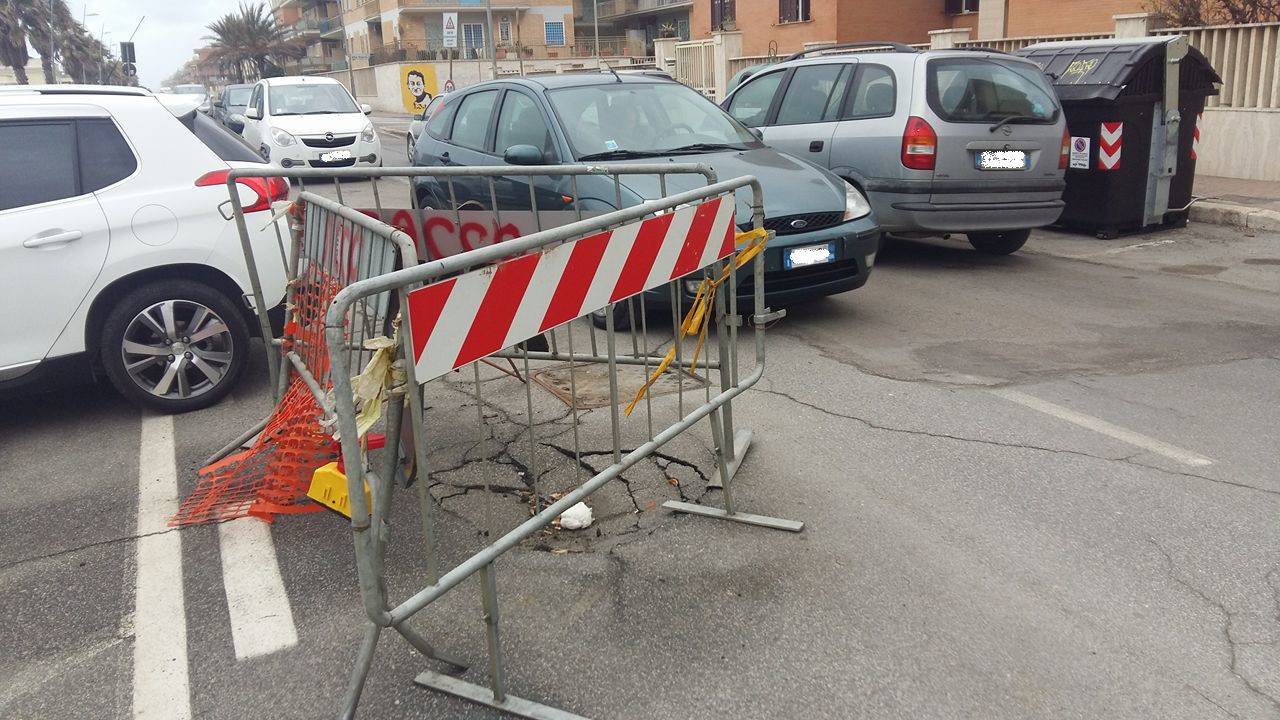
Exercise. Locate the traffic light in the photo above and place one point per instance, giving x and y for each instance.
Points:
(126, 53)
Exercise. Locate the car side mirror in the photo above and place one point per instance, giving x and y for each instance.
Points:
(252, 113)
(236, 122)
(218, 104)
(366, 108)
(523, 155)
(757, 132)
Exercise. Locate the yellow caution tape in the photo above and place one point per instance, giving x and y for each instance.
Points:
(750, 243)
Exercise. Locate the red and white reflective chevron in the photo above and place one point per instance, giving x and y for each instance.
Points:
(1195, 138)
(1110, 138)
(468, 317)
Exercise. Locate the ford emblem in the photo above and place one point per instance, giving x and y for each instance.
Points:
(328, 137)
(799, 224)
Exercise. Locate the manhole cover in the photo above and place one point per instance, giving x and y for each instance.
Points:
(592, 381)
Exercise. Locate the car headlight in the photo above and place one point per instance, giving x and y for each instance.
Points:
(855, 205)
(367, 134)
(282, 138)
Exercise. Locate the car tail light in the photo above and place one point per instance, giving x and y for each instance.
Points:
(268, 190)
(1066, 150)
(919, 145)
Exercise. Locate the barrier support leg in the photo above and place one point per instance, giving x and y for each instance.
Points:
(495, 696)
(360, 672)
(728, 513)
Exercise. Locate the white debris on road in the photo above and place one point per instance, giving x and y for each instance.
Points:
(576, 517)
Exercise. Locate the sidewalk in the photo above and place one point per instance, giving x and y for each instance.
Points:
(1253, 204)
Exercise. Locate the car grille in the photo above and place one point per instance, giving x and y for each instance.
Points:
(322, 142)
(811, 221)
(336, 163)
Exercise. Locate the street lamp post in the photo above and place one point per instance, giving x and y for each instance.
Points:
(595, 20)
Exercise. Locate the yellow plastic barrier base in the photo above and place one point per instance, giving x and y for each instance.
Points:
(329, 488)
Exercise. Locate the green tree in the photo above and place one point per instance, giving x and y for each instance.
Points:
(250, 44)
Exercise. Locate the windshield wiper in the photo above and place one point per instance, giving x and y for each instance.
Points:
(620, 155)
(1010, 118)
(705, 147)
(322, 112)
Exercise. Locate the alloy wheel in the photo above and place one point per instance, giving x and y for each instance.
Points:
(177, 349)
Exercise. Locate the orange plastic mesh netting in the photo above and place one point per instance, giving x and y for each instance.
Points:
(272, 476)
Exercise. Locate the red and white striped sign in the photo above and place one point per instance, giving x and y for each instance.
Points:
(1110, 139)
(456, 321)
(1195, 137)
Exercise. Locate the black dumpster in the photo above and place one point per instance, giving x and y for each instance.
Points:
(1131, 163)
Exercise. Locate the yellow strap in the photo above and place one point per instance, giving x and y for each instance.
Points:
(695, 320)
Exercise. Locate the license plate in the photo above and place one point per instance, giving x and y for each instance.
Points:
(809, 255)
(336, 156)
(1001, 160)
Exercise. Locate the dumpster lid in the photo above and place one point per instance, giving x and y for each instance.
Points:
(1105, 69)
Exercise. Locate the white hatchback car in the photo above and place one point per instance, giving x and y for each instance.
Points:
(310, 122)
(116, 251)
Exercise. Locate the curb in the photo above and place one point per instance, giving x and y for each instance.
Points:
(1239, 216)
(392, 131)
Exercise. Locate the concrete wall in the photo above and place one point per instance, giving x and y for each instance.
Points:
(1230, 141)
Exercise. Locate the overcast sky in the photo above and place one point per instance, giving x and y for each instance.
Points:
(172, 30)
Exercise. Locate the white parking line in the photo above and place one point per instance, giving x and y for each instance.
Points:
(1098, 425)
(261, 618)
(160, 686)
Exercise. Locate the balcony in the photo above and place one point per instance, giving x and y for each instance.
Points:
(443, 5)
(331, 27)
(363, 12)
(611, 9)
(303, 27)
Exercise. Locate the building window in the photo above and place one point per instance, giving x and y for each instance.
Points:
(723, 12)
(960, 7)
(472, 35)
(554, 33)
(504, 30)
(793, 11)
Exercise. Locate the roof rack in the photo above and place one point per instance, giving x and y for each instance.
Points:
(854, 46)
(979, 48)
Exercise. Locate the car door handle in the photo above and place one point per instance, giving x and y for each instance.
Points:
(815, 146)
(65, 236)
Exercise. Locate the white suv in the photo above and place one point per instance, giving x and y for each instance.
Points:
(116, 251)
(310, 122)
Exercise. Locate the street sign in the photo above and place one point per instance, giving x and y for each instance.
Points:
(127, 53)
(451, 29)
(130, 70)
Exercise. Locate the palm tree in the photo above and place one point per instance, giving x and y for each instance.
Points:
(250, 41)
(13, 39)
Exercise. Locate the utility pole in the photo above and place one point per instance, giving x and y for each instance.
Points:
(595, 20)
(52, 36)
(493, 46)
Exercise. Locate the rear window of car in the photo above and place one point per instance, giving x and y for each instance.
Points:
(987, 89)
(224, 143)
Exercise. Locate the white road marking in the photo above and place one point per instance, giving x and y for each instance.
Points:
(261, 618)
(1127, 248)
(1098, 425)
(160, 686)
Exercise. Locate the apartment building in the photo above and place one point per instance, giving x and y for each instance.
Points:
(638, 22)
(381, 31)
(317, 25)
(784, 26)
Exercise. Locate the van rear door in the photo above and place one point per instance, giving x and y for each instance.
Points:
(999, 128)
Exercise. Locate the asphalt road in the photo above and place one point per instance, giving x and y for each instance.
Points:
(1043, 485)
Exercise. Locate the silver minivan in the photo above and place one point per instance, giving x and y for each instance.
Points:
(940, 141)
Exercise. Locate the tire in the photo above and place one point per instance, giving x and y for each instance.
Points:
(182, 374)
(408, 149)
(999, 243)
(621, 318)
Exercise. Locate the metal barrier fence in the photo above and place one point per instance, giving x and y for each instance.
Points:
(683, 247)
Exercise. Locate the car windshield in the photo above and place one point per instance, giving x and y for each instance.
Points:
(310, 99)
(986, 90)
(643, 119)
(237, 96)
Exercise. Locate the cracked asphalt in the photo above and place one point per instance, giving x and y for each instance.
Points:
(964, 554)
